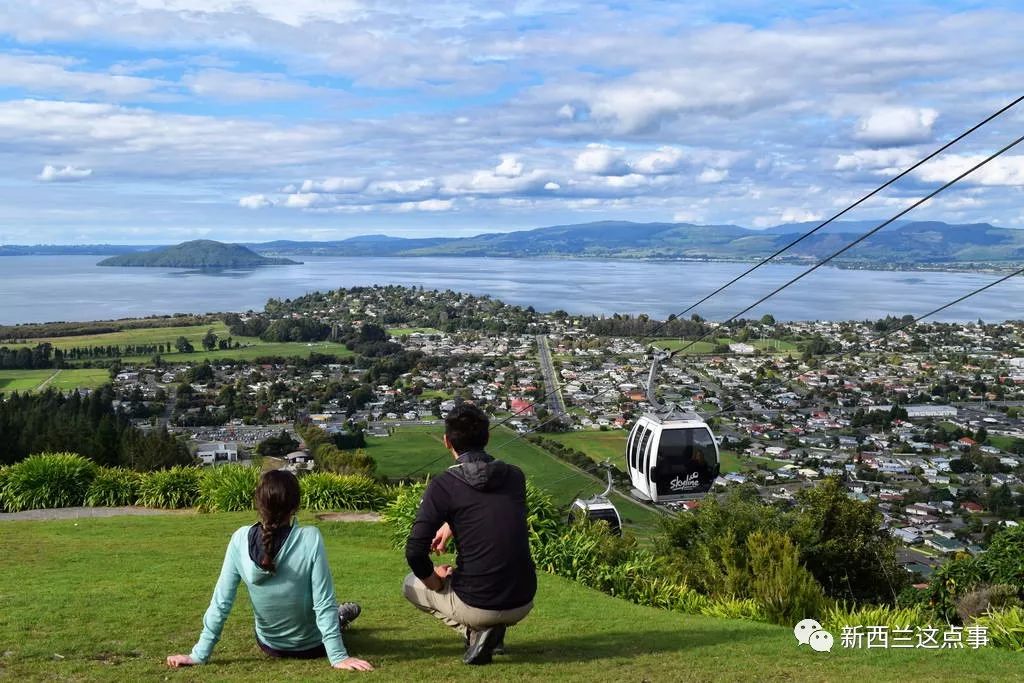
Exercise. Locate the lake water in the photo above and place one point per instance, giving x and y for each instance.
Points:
(51, 288)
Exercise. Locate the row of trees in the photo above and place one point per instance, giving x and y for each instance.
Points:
(38, 357)
(89, 426)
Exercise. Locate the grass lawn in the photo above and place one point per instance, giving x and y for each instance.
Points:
(767, 345)
(1005, 443)
(600, 446)
(147, 335)
(410, 448)
(109, 599)
(405, 331)
(731, 462)
(252, 347)
(31, 380)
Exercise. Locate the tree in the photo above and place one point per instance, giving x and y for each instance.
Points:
(183, 345)
(277, 446)
(210, 340)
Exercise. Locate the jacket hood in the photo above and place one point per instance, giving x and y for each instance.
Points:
(280, 545)
(480, 470)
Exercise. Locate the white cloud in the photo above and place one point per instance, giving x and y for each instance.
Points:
(799, 215)
(64, 174)
(662, 160)
(896, 126)
(881, 161)
(335, 184)
(233, 86)
(304, 200)
(567, 111)
(551, 185)
(1007, 171)
(712, 175)
(599, 159)
(427, 205)
(510, 166)
(46, 74)
(255, 201)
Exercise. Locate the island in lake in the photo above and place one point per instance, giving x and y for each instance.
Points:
(197, 254)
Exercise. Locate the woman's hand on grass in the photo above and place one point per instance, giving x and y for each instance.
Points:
(354, 664)
(174, 661)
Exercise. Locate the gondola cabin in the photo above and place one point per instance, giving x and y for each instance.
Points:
(597, 510)
(671, 458)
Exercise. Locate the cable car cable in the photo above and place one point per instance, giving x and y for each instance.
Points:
(651, 335)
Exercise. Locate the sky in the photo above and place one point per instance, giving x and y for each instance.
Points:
(157, 121)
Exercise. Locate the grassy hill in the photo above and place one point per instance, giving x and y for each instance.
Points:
(109, 599)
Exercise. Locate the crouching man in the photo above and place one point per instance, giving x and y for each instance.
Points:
(481, 502)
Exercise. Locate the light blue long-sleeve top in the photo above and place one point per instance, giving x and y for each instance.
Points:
(295, 606)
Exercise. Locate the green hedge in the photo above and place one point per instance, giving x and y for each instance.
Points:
(52, 480)
(114, 487)
(175, 488)
(228, 488)
(329, 491)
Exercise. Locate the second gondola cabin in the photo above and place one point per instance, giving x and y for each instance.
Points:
(671, 458)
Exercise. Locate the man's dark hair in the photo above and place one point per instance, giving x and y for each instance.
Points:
(467, 428)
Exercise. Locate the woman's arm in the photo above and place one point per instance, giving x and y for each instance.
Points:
(220, 606)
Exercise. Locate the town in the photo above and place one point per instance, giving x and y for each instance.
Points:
(924, 420)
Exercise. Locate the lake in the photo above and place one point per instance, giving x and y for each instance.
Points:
(51, 288)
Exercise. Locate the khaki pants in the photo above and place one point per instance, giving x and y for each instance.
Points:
(446, 606)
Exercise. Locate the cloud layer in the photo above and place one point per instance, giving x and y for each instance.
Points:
(319, 118)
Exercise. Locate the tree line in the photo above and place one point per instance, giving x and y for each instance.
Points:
(87, 425)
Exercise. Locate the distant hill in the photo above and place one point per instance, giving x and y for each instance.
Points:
(197, 254)
(902, 244)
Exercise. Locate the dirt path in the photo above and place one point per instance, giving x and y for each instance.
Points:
(85, 512)
(47, 381)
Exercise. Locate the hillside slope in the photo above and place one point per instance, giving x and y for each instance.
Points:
(59, 621)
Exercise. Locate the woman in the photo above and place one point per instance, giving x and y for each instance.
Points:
(284, 566)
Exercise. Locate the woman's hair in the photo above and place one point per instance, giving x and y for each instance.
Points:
(277, 497)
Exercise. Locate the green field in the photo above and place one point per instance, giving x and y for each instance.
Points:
(767, 345)
(31, 380)
(252, 347)
(415, 451)
(147, 335)
(405, 331)
(109, 599)
(600, 446)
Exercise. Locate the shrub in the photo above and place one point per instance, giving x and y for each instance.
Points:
(328, 491)
(4, 475)
(228, 488)
(784, 589)
(48, 480)
(113, 487)
(401, 512)
(1003, 561)
(984, 599)
(177, 487)
(1005, 628)
(841, 614)
(733, 608)
(952, 580)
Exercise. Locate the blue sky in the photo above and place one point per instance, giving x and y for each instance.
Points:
(156, 121)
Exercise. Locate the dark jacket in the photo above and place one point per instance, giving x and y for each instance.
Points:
(484, 502)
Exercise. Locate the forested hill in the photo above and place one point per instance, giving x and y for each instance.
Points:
(197, 254)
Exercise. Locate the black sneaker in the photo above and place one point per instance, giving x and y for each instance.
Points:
(499, 647)
(347, 613)
(481, 645)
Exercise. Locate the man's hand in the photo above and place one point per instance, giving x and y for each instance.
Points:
(353, 664)
(441, 538)
(174, 661)
(435, 581)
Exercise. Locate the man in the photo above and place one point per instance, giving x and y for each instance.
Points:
(482, 503)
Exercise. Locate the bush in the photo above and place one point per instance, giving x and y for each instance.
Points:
(113, 487)
(228, 488)
(734, 608)
(1003, 561)
(400, 513)
(175, 488)
(985, 599)
(1005, 628)
(48, 480)
(4, 475)
(327, 491)
(841, 614)
(784, 589)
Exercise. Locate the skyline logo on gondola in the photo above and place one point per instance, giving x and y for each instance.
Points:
(692, 481)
